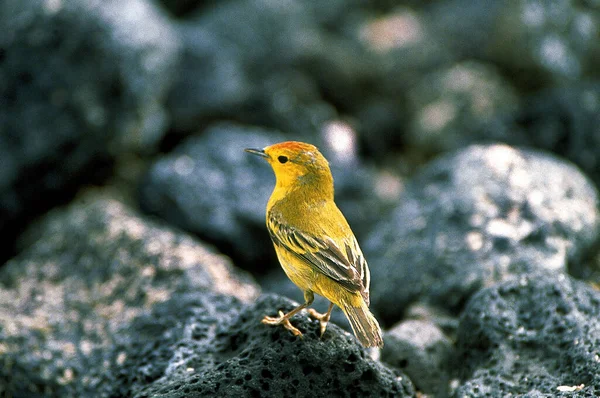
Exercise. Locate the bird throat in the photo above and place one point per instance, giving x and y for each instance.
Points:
(306, 189)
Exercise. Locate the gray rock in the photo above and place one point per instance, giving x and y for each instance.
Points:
(210, 81)
(476, 217)
(406, 48)
(80, 82)
(448, 106)
(423, 352)
(536, 42)
(530, 336)
(250, 61)
(441, 318)
(564, 120)
(216, 346)
(523, 44)
(208, 185)
(87, 272)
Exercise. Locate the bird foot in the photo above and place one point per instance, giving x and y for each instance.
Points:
(322, 318)
(282, 320)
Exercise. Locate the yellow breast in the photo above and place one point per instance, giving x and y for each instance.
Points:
(296, 269)
(306, 278)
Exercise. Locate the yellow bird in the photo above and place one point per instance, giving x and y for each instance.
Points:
(314, 243)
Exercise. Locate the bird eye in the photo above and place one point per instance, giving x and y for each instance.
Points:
(282, 159)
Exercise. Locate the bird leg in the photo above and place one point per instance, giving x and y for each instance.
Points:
(284, 319)
(322, 318)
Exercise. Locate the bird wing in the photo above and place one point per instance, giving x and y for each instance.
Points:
(341, 261)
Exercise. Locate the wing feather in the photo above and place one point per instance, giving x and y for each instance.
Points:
(345, 265)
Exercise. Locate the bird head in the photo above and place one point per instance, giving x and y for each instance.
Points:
(296, 163)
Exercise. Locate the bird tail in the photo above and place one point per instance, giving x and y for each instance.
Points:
(364, 325)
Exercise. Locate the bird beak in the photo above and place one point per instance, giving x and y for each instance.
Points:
(259, 152)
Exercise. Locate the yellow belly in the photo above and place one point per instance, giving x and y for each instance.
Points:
(307, 278)
(297, 270)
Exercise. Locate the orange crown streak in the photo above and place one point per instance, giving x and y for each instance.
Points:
(294, 146)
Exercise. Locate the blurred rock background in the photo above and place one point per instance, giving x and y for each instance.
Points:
(464, 139)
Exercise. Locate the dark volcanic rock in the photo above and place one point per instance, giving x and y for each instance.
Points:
(249, 60)
(406, 49)
(211, 187)
(439, 317)
(564, 120)
(530, 336)
(218, 347)
(210, 81)
(292, 66)
(448, 106)
(474, 218)
(536, 42)
(423, 352)
(89, 270)
(80, 81)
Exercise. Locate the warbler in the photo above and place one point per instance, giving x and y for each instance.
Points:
(313, 241)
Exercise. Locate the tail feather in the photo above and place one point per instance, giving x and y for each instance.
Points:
(364, 325)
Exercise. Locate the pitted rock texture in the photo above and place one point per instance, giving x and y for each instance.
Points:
(218, 347)
(476, 217)
(530, 336)
(87, 272)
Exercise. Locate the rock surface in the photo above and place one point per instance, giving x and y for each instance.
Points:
(80, 82)
(423, 352)
(536, 42)
(564, 120)
(531, 335)
(88, 271)
(474, 218)
(249, 60)
(209, 186)
(448, 106)
(218, 347)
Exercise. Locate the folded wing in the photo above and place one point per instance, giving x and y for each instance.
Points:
(341, 261)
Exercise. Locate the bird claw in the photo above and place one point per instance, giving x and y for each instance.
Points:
(322, 318)
(282, 320)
